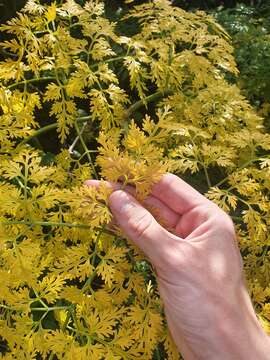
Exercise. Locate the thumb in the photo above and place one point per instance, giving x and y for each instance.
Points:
(140, 226)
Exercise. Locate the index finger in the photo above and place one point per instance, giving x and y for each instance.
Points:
(177, 194)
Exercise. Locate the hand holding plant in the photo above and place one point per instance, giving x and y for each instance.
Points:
(199, 270)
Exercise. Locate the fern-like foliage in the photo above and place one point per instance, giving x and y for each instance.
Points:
(125, 108)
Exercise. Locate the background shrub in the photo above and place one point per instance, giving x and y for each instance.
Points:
(249, 28)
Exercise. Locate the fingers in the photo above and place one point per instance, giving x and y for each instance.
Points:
(174, 193)
(165, 215)
(182, 207)
(177, 194)
(140, 226)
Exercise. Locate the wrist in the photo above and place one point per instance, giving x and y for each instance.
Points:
(232, 332)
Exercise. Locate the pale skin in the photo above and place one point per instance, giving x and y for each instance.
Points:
(199, 270)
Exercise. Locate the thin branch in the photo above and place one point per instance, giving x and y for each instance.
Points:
(50, 223)
(86, 150)
(72, 146)
(151, 98)
(38, 132)
(94, 66)
(240, 168)
(157, 352)
(44, 223)
(49, 127)
(30, 81)
(207, 176)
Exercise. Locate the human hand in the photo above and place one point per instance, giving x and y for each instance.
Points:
(199, 270)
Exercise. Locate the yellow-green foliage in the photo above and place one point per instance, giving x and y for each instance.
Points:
(70, 288)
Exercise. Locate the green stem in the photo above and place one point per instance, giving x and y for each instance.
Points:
(83, 118)
(6, 307)
(39, 132)
(85, 153)
(39, 299)
(240, 168)
(207, 176)
(30, 81)
(42, 309)
(151, 98)
(44, 223)
(94, 66)
(89, 281)
(240, 199)
(41, 319)
(158, 354)
(94, 273)
(238, 218)
(49, 127)
(49, 223)
(69, 314)
(51, 356)
(170, 59)
(17, 178)
(85, 149)
(51, 308)
(7, 53)
(77, 327)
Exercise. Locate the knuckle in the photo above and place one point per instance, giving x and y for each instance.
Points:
(221, 218)
(140, 225)
(226, 222)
